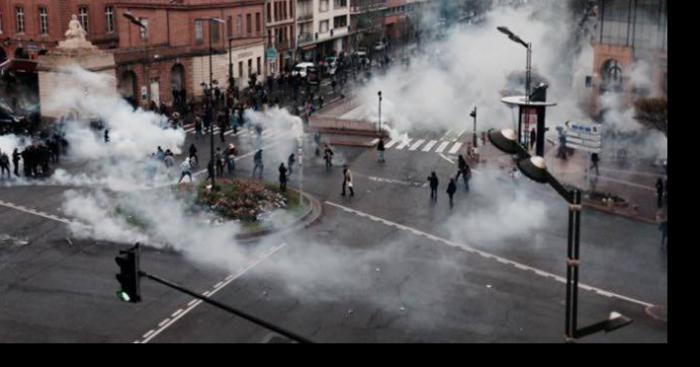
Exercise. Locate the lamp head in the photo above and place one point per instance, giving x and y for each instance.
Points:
(504, 140)
(534, 168)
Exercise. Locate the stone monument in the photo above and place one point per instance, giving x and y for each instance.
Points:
(75, 50)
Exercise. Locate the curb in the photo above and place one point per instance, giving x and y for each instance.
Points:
(307, 219)
(614, 212)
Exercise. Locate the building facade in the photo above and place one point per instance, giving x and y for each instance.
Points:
(280, 35)
(29, 28)
(167, 60)
(630, 32)
(323, 27)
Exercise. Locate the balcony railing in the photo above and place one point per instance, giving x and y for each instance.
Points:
(306, 37)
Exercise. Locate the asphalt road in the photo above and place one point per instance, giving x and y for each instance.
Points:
(383, 266)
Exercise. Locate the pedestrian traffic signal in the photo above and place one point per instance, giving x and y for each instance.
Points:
(128, 277)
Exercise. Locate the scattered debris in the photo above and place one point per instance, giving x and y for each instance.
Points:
(69, 241)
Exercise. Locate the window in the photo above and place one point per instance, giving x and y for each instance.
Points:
(229, 27)
(198, 31)
(258, 69)
(249, 23)
(0, 22)
(109, 16)
(257, 22)
(43, 21)
(323, 26)
(240, 69)
(83, 17)
(323, 5)
(269, 12)
(340, 22)
(341, 3)
(239, 24)
(250, 67)
(215, 34)
(19, 19)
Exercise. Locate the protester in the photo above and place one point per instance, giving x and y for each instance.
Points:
(186, 169)
(434, 182)
(451, 189)
(347, 181)
(283, 177)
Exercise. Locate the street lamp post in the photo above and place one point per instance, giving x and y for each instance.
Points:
(528, 46)
(211, 107)
(536, 169)
(380, 112)
(139, 23)
(230, 65)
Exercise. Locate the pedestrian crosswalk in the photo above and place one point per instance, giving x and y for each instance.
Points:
(425, 145)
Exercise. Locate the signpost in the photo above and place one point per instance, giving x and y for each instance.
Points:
(271, 54)
(583, 136)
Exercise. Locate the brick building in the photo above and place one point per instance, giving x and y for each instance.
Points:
(31, 27)
(172, 55)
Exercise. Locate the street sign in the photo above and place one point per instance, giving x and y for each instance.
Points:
(583, 136)
(271, 54)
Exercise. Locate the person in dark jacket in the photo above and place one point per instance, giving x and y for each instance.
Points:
(283, 177)
(290, 162)
(451, 189)
(15, 161)
(434, 182)
(660, 193)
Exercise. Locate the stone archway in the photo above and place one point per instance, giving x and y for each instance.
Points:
(611, 73)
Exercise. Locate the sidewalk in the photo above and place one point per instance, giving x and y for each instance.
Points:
(636, 188)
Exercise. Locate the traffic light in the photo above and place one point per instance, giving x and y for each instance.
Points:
(128, 277)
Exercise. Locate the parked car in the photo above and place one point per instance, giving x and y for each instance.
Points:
(301, 69)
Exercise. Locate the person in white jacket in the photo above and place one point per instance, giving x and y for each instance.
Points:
(186, 168)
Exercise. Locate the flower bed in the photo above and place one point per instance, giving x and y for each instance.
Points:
(246, 201)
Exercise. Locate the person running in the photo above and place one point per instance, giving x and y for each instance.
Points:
(451, 189)
(186, 169)
(5, 165)
(465, 171)
(328, 156)
(15, 161)
(434, 182)
(290, 163)
(258, 161)
(381, 149)
(283, 177)
(347, 181)
(194, 159)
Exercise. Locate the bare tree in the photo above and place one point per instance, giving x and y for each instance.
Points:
(653, 112)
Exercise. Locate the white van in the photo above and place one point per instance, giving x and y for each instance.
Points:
(301, 69)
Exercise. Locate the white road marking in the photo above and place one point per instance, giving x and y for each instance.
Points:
(198, 302)
(442, 147)
(34, 212)
(455, 148)
(179, 311)
(502, 260)
(447, 158)
(416, 145)
(404, 144)
(148, 333)
(190, 303)
(163, 322)
(219, 284)
(391, 143)
(429, 146)
(206, 293)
